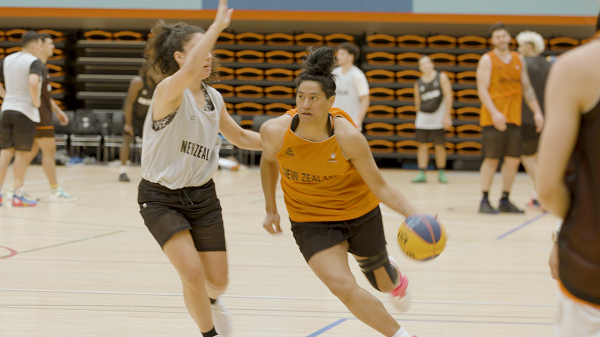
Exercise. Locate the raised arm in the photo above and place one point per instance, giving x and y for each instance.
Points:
(244, 139)
(530, 97)
(356, 149)
(168, 93)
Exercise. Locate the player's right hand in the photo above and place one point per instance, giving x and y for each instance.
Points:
(128, 129)
(271, 223)
(499, 121)
(223, 18)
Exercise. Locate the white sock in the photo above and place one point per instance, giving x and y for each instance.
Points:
(401, 333)
(19, 191)
(123, 169)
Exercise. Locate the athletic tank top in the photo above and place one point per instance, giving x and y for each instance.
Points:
(430, 93)
(579, 238)
(319, 184)
(143, 100)
(537, 68)
(505, 89)
(186, 151)
(16, 80)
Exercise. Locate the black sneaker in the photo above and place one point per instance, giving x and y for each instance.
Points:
(507, 207)
(486, 208)
(123, 177)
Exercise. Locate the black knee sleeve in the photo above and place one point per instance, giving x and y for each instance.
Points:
(369, 265)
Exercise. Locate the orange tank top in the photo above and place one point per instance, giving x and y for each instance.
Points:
(319, 184)
(505, 89)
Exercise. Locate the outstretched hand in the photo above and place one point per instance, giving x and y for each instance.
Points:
(223, 18)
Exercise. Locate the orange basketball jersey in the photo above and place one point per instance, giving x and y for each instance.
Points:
(505, 89)
(319, 184)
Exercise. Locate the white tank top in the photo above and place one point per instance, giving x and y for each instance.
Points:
(186, 152)
(16, 78)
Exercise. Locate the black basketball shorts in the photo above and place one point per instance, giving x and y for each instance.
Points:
(439, 136)
(530, 139)
(499, 144)
(17, 131)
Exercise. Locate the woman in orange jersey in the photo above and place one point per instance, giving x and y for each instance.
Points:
(332, 189)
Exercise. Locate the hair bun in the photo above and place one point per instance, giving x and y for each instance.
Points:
(320, 61)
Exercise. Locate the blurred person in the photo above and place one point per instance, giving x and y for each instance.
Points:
(352, 94)
(433, 102)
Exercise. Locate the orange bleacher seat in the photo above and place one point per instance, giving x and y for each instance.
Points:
(451, 76)
(300, 56)
(279, 74)
(381, 146)
(277, 109)
(408, 59)
(405, 95)
(379, 129)
(467, 96)
(449, 148)
(2, 35)
(407, 147)
(472, 42)
(298, 71)
(441, 42)
(249, 109)
(380, 111)
(406, 130)
(309, 39)
(56, 35)
(230, 108)
(468, 113)
(250, 56)
(61, 104)
(381, 58)
(451, 132)
(57, 88)
(467, 77)
(336, 39)
(408, 76)
(128, 36)
(224, 89)
(443, 59)
(58, 55)
(225, 56)
(279, 92)
(279, 56)
(15, 34)
(381, 41)
(563, 43)
(11, 50)
(247, 124)
(279, 39)
(55, 71)
(468, 131)
(249, 74)
(411, 41)
(225, 39)
(98, 35)
(226, 73)
(2, 53)
(250, 39)
(468, 60)
(249, 91)
(381, 94)
(380, 76)
(406, 112)
(468, 148)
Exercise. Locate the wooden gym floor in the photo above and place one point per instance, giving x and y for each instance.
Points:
(91, 268)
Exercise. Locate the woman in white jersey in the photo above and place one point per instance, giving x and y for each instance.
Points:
(177, 196)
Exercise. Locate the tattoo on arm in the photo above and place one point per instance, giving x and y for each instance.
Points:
(529, 94)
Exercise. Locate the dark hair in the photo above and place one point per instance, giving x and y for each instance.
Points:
(498, 26)
(351, 49)
(166, 40)
(318, 66)
(45, 36)
(29, 37)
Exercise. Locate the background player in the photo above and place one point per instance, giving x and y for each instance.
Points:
(352, 94)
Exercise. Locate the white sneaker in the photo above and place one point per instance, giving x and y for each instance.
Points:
(11, 194)
(60, 195)
(400, 296)
(222, 319)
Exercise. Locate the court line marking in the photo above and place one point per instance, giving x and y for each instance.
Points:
(521, 226)
(63, 243)
(329, 327)
(12, 253)
(273, 297)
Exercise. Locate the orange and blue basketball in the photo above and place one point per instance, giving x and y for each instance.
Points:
(422, 237)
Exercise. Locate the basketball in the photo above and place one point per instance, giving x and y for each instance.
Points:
(422, 237)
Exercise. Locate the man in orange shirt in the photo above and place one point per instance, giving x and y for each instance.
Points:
(502, 83)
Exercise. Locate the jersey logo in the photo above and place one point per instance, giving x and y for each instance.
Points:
(518, 67)
(289, 152)
(193, 118)
(332, 158)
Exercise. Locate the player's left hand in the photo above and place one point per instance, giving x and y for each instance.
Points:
(63, 119)
(447, 122)
(539, 122)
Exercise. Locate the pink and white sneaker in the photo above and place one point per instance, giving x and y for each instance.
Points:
(400, 296)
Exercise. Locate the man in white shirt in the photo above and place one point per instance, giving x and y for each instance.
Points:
(352, 93)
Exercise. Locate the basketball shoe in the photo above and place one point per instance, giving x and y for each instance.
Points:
(420, 178)
(400, 296)
(507, 207)
(21, 201)
(222, 319)
(11, 193)
(60, 195)
(486, 208)
(0, 199)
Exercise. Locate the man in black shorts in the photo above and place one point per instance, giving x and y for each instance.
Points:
(531, 45)
(21, 72)
(139, 96)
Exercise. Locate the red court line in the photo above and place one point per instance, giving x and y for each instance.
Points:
(12, 253)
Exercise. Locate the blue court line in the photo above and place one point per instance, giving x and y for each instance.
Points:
(329, 327)
(521, 226)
